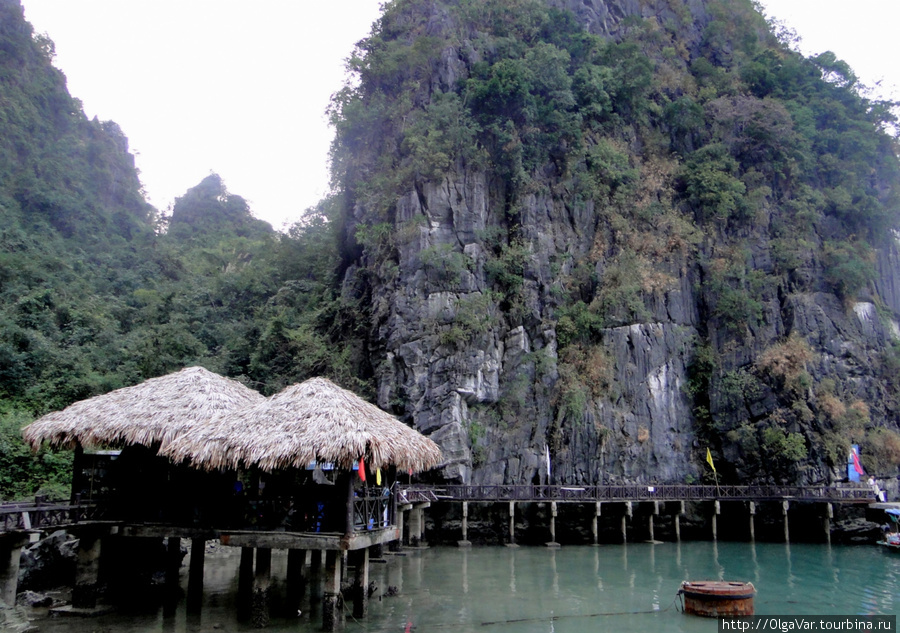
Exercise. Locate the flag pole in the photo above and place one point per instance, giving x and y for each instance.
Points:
(709, 460)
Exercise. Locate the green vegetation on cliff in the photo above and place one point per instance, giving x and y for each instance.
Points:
(683, 144)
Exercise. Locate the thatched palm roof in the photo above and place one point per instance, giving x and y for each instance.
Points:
(312, 421)
(156, 410)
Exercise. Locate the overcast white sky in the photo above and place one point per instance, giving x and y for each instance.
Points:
(240, 88)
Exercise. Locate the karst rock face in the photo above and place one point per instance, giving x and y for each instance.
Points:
(541, 334)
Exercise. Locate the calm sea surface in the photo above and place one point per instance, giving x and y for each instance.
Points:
(619, 588)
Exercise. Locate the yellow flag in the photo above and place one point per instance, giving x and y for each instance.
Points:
(709, 459)
(378, 477)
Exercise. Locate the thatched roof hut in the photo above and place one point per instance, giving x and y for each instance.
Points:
(313, 421)
(155, 411)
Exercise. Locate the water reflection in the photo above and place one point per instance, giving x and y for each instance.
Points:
(568, 590)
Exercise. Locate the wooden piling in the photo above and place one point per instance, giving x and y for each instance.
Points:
(595, 533)
(330, 597)
(262, 577)
(245, 583)
(361, 580)
(826, 521)
(295, 583)
(195, 575)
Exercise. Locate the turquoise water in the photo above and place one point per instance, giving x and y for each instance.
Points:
(620, 588)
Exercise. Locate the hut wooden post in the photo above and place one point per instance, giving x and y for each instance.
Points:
(295, 582)
(330, 611)
(245, 582)
(173, 563)
(348, 530)
(361, 581)
(195, 575)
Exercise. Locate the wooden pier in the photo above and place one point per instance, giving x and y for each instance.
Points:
(625, 497)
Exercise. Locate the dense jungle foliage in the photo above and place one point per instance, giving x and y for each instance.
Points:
(98, 290)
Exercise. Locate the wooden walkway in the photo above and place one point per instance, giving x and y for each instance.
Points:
(634, 492)
(42, 516)
(24, 517)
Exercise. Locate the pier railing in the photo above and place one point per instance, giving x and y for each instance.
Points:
(40, 516)
(636, 492)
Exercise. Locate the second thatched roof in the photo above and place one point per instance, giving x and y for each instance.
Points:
(155, 411)
(313, 421)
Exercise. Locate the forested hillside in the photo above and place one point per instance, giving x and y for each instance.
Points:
(602, 234)
(99, 291)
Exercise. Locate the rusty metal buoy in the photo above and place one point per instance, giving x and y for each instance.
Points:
(717, 598)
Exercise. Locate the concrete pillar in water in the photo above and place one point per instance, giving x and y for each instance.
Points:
(296, 561)
(465, 526)
(653, 514)
(628, 512)
(752, 521)
(826, 522)
(422, 524)
(595, 532)
(330, 611)
(10, 555)
(195, 575)
(316, 579)
(262, 577)
(512, 525)
(413, 528)
(784, 510)
(87, 569)
(717, 509)
(678, 521)
(361, 596)
(553, 512)
(396, 544)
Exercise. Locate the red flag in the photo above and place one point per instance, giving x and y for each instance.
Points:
(856, 465)
(362, 469)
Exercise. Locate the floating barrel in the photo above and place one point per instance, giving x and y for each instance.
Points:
(718, 598)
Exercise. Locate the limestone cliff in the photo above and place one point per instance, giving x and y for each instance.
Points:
(595, 238)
